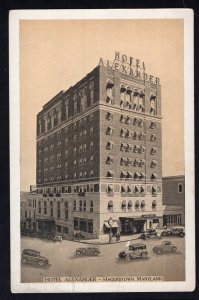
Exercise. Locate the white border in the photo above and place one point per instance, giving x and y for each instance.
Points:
(14, 17)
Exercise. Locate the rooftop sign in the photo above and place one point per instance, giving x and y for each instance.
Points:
(130, 66)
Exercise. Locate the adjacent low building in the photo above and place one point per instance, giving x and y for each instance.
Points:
(174, 200)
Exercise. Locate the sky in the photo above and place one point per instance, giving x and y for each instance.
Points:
(55, 54)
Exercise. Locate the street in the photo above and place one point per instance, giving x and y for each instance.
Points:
(63, 262)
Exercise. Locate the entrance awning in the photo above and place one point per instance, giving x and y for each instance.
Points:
(115, 224)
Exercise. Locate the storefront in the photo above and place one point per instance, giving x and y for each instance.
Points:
(46, 225)
(111, 226)
(134, 225)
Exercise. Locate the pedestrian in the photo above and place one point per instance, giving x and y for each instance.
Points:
(118, 236)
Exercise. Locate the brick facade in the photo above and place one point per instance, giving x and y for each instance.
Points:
(99, 155)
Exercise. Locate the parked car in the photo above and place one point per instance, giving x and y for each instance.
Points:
(148, 234)
(88, 251)
(166, 246)
(134, 251)
(178, 230)
(57, 238)
(164, 232)
(33, 256)
(79, 235)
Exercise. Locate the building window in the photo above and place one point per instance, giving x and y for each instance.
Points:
(109, 145)
(109, 159)
(91, 117)
(123, 206)
(75, 205)
(109, 130)
(84, 148)
(80, 205)
(122, 119)
(80, 149)
(91, 159)
(110, 174)
(74, 175)
(91, 173)
(91, 131)
(91, 89)
(85, 174)
(128, 95)
(153, 110)
(135, 99)
(153, 125)
(109, 92)
(84, 205)
(66, 210)
(91, 145)
(122, 92)
(110, 206)
(84, 133)
(66, 153)
(66, 165)
(80, 175)
(80, 162)
(142, 205)
(153, 150)
(45, 208)
(58, 209)
(180, 188)
(130, 204)
(153, 138)
(75, 150)
(39, 204)
(75, 163)
(154, 204)
(91, 206)
(75, 103)
(109, 116)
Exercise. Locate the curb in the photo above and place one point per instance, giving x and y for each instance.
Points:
(105, 243)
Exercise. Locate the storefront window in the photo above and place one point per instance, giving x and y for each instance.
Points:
(90, 226)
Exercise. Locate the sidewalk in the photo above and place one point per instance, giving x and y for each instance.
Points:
(104, 239)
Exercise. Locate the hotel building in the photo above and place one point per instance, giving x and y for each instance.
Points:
(99, 156)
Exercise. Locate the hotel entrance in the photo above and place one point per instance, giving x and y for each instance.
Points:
(132, 225)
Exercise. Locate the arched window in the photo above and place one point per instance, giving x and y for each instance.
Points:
(66, 210)
(137, 204)
(142, 205)
(154, 204)
(110, 205)
(153, 109)
(141, 101)
(109, 92)
(51, 209)
(135, 99)
(122, 92)
(39, 205)
(130, 204)
(58, 209)
(45, 208)
(123, 206)
(128, 95)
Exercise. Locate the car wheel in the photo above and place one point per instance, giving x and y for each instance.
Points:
(78, 252)
(164, 233)
(158, 251)
(181, 234)
(128, 257)
(41, 263)
(24, 260)
(96, 253)
(173, 249)
(144, 255)
(83, 251)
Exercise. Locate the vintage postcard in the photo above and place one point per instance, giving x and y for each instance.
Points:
(102, 151)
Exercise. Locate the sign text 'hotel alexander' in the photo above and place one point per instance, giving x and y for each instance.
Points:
(129, 66)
